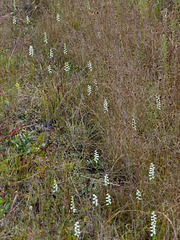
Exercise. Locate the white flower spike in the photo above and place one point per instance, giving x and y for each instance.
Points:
(96, 156)
(55, 186)
(96, 85)
(108, 199)
(14, 20)
(77, 229)
(49, 69)
(58, 17)
(151, 171)
(158, 102)
(72, 205)
(106, 180)
(65, 49)
(89, 90)
(138, 195)
(90, 66)
(27, 20)
(95, 200)
(105, 106)
(31, 51)
(51, 53)
(66, 67)
(45, 38)
(153, 224)
(134, 124)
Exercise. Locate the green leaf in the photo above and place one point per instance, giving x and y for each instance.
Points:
(41, 154)
(7, 206)
(35, 149)
(69, 237)
(40, 138)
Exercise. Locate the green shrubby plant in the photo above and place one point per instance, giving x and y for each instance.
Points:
(3, 209)
(142, 4)
(23, 142)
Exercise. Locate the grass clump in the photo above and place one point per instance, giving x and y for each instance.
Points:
(89, 123)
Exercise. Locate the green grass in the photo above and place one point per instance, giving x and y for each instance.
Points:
(51, 124)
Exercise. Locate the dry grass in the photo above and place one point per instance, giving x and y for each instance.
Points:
(50, 127)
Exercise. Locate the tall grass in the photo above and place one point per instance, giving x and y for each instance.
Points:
(89, 123)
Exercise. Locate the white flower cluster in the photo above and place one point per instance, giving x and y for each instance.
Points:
(90, 66)
(51, 53)
(49, 69)
(27, 20)
(105, 106)
(55, 186)
(31, 51)
(14, 20)
(138, 195)
(96, 156)
(153, 224)
(158, 102)
(96, 85)
(134, 124)
(72, 205)
(108, 199)
(95, 200)
(151, 171)
(77, 229)
(45, 38)
(58, 17)
(65, 49)
(106, 180)
(66, 67)
(89, 90)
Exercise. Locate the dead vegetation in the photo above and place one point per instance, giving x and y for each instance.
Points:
(52, 122)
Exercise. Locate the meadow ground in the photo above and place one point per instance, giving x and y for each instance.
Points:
(89, 120)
